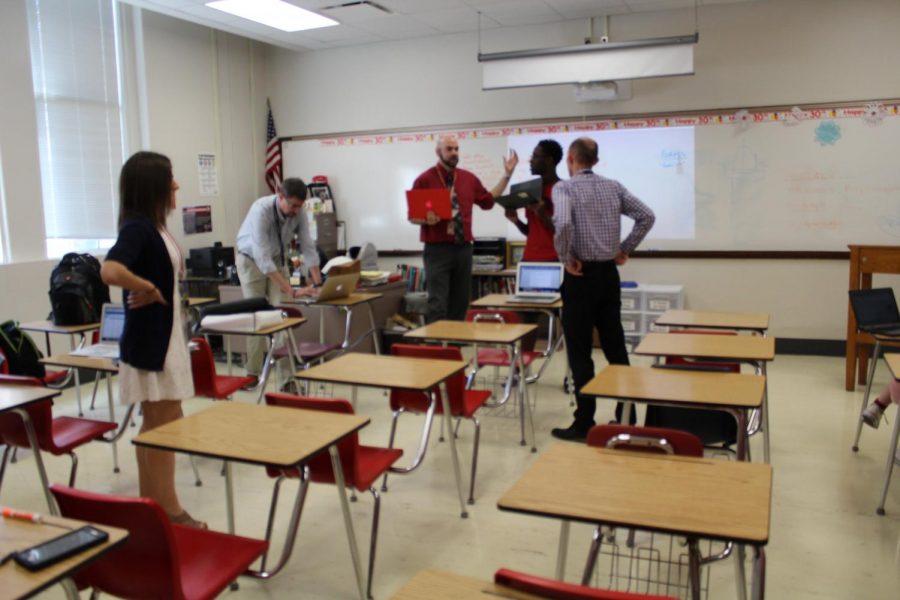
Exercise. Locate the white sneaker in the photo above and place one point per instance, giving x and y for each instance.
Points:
(872, 414)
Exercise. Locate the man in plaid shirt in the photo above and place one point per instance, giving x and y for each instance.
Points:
(587, 219)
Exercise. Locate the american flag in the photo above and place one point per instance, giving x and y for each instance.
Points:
(273, 153)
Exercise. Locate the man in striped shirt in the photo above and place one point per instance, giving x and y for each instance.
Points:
(587, 219)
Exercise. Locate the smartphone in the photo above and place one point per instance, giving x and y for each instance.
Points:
(60, 548)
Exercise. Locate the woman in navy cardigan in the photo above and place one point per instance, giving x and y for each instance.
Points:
(147, 263)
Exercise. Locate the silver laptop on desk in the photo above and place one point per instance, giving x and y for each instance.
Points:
(112, 321)
(334, 288)
(537, 282)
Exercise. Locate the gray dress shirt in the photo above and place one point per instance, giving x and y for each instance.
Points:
(258, 237)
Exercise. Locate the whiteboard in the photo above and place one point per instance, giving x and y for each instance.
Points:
(813, 184)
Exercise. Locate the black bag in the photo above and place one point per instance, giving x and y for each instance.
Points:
(22, 355)
(77, 293)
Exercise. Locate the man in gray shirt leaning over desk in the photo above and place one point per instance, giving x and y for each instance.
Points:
(262, 249)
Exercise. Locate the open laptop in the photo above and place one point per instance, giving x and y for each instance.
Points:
(522, 194)
(112, 321)
(334, 288)
(537, 282)
(876, 311)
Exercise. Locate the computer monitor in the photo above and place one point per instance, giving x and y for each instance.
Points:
(212, 261)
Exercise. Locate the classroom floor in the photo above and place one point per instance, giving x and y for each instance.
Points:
(826, 540)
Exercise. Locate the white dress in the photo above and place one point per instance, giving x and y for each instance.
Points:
(175, 381)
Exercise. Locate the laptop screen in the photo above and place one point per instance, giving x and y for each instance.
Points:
(539, 278)
(113, 322)
(875, 307)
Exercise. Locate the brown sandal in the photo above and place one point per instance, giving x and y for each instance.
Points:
(187, 520)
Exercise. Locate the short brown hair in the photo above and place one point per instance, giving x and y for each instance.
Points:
(145, 187)
(292, 187)
(584, 150)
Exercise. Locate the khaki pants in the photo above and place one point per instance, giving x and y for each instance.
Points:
(255, 284)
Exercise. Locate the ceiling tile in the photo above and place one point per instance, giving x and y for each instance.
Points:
(397, 27)
(354, 14)
(456, 20)
(578, 9)
(411, 7)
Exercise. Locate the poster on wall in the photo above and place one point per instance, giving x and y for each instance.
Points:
(206, 169)
(197, 219)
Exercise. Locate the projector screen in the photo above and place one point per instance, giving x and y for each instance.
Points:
(656, 165)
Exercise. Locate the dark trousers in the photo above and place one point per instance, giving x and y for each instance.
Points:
(448, 280)
(593, 300)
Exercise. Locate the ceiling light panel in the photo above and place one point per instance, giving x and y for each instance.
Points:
(273, 13)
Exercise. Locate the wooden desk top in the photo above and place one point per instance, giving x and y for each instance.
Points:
(82, 362)
(714, 320)
(50, 327)
(384, 371)
(255, 434)
(893, 361)
(13, 395)
(19, 582)
(200, 301)
(482, 332)
(285, 324)
(734, 347)
(432, 584)
(731, 390)
(713, 499)
(502, 301)
(351, 300)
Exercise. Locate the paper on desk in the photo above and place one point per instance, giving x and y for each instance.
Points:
(242, 321)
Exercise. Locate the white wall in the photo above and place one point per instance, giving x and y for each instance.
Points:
(770, 52)
(205, 93)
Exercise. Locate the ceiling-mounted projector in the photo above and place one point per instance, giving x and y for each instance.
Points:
(602, 91)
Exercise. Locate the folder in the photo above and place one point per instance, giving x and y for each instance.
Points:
(420, 201)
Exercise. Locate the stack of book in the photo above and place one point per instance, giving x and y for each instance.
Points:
(414, 277)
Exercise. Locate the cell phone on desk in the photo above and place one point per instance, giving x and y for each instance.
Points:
(60, 548)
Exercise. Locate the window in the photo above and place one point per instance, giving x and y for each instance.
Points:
(77, 101)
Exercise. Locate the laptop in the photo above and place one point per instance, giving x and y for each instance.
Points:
(522, 194)
(876, 311)
(112, 321)
(334, 288)
(420, 201)
(537, 282)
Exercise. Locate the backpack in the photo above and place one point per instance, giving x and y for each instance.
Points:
(77, 293)
(22, 356)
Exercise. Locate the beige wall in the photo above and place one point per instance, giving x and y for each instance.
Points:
(769, 52)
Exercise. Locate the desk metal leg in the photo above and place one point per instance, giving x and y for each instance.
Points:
(38, 460)
(348, 521)
(525, 406)
(562, 550)
(759, 574)
(112, 417)
(69, 587)
(743, 440)
(77, 376)
(445, 401)
(267, 368)
(375, 337)
(765, 414)
(229, 496)
(739, 574)
(875, 354)
(890, 465)
(228, 353)
(694, 568)
(290, 534)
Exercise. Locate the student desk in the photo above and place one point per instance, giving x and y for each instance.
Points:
(18, 582)
(553, 310)
(733, 393)
(755, 350)
(108, 367)
(200, 301)
(432, 584)
(284, 438)
(864, 262)
(269, 333)
(685, 496)
(346, 305)
(15, 398)
(416, 374)
(756, 322)
(488, 332)
(48, 327)
(893, 361)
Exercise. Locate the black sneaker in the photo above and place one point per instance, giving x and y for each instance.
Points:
(574, 433)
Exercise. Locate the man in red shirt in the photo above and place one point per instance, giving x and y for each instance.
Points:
(538, 227)
(448, 243)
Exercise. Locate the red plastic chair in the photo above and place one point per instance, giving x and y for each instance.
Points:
(637, 439)
(159, 559)
(463, 403)
(60, 435)
(559, 590)
(362, 465)
(207, 383)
